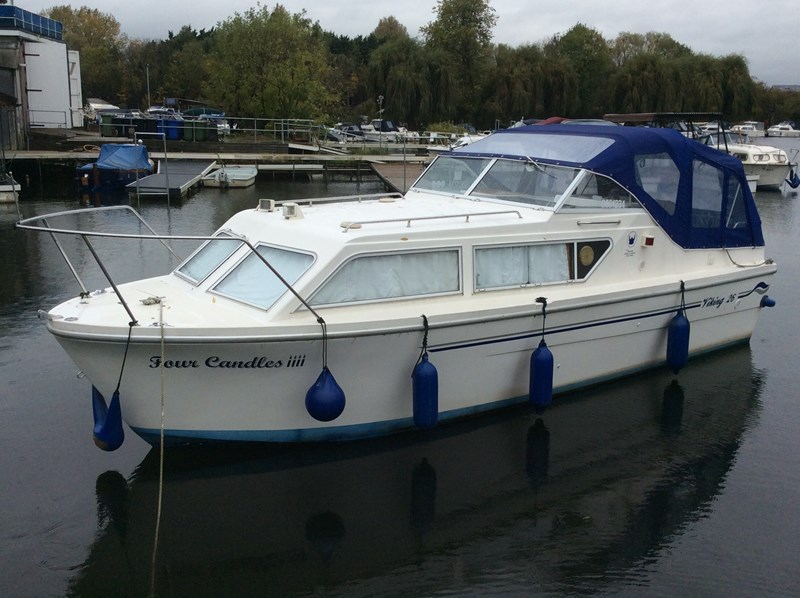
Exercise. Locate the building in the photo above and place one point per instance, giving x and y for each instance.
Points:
(40, 79)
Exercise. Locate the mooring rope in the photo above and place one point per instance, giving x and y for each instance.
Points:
(543, 301)
(683, 296)
(161, 458)
(424, 349)
(125, 356)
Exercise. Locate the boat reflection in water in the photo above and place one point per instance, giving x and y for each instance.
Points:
(509, 502)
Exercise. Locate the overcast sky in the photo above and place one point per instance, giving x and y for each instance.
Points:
(763, 32)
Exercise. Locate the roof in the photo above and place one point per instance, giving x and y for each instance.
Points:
(617, 152)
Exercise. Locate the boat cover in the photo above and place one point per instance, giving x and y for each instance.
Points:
(121, 156)
(613, 151)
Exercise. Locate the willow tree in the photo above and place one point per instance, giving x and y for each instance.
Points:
(644, 83)
(462, 31)
(738, 88)
(588, 53)
(513, 88)
(396, 72)
(702, 87)
(271, 65)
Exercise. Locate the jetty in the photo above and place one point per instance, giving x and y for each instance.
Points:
(174, 178)
(183, 165)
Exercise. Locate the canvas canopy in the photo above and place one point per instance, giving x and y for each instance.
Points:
(697, 194)
(121, 156)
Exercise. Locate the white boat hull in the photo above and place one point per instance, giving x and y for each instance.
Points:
(769, 176)
(254, 389)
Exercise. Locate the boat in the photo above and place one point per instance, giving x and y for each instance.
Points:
(232, 175)
(750, 129)
(117, 165)
(784, 129)
(770, 166)
(527, 264)
(382, 130)
(9, 188)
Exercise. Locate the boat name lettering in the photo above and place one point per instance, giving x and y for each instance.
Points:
(215, 361)
(717, 301)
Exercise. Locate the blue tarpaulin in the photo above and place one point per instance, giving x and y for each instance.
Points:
(122, 157)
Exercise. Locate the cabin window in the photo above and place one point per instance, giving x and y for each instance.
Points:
(390, 276)
(452, 175)
(526, 265)
(599, 192)
(208, 258)
(707, 190)
(658, 175)
(525, 182)
(251, 281)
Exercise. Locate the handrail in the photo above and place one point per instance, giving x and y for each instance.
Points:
(348, 225)
(265, 203)
(26, 224)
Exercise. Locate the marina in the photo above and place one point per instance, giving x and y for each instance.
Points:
(636, 486)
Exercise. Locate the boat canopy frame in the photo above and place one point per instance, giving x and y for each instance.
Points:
(620, 158)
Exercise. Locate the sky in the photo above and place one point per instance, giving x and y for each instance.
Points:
(716, 27)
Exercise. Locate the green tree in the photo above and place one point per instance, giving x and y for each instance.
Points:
(271, 64)
(513, 87)
(587, 52)
(398, 72)
(738, 88)
(462, 32)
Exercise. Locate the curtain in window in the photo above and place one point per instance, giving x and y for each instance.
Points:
(388, 276)
(521, 265)
(253, 282)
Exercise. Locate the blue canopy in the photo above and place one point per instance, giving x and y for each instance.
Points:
(122, 157)
(697, 194)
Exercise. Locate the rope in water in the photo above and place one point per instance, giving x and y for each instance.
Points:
(161, 459)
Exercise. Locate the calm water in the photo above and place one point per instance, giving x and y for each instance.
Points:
(649, 486)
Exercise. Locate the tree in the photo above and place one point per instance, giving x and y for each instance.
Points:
(271, 64)
(587, 52)
(514, 87)
(397, 71)
(462, 32)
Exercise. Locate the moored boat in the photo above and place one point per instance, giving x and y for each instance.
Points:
(769, 164)
(784, 129)
(117, 165)
(232, 175)
(749, 128)
(528, 263)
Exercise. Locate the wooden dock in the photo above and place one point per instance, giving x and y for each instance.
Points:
(398, 176)
(174, 179)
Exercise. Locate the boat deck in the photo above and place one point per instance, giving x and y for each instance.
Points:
(175, 178)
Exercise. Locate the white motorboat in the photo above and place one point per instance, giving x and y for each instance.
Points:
(523, 265)
(750, 129)
(769, 164)
(232, 175)
(382, 131)
(784, 129)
